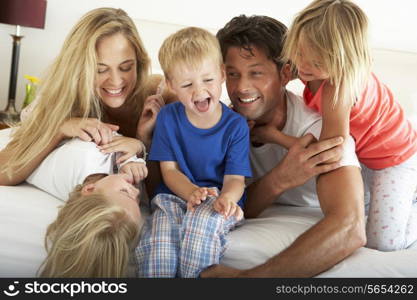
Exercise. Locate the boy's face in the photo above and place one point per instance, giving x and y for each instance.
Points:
(254, 84)
(198, 89)
(119, 189)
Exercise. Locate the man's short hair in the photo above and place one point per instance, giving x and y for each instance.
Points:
(262, 32)
(188, 46)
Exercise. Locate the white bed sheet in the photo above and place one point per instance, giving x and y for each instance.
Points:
(278, 226)
(26, 211)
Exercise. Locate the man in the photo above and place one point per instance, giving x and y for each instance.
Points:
(256, 82)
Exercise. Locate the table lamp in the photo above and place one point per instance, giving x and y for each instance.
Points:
(28, 13)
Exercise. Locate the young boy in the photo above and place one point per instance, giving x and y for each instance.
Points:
(203, 148)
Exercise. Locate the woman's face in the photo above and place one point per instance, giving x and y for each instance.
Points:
(116, 70)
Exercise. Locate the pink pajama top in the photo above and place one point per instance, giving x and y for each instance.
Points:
(383, 135)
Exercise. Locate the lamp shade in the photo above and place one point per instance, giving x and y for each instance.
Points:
(28, 13)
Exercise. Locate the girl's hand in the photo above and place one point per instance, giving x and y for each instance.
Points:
(136, 170)
(227, 207)
(128, 146)
(265, 134)
(147, 121)
(89, 129)
(268, 134)
(199, 195)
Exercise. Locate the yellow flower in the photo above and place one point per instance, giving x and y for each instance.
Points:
(32, 79)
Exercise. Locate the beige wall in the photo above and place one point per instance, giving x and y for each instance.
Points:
(392, 27)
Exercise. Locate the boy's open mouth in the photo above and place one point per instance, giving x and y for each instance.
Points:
(203, 105)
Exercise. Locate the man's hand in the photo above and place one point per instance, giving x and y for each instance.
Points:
(305, 159)
(220, 271)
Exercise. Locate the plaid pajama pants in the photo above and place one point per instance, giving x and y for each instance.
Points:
(179, 243)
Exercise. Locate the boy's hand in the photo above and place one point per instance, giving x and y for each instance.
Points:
(128, 146)
(136, 170)
(198, 195)
(227, 207)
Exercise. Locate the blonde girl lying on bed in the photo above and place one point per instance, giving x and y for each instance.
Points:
(98, 226)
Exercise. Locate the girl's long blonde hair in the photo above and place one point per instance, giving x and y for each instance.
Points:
(68, 90)
(337, 31)
(91, 237)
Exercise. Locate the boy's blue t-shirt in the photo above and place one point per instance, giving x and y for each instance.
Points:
(203, 155)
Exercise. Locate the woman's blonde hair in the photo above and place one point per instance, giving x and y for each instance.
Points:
(188, 46)
(337, 31)
(68, 90)
(91, 237)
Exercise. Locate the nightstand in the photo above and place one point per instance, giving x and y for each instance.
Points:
(3, 126)
(9, 116)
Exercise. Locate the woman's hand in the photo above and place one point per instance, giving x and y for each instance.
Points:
(88, 130)
(128, 146)
(147, 121)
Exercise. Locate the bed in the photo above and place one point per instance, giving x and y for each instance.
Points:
(26, 211)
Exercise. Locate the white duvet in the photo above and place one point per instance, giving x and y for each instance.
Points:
(26, 211)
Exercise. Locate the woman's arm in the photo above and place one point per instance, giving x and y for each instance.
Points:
(85, 129)
(21, 175)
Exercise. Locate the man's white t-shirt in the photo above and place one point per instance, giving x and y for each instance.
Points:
(68, 165)
(300, 121)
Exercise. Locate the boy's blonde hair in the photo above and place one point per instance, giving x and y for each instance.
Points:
(189, 46)
(68, 91)
(91, 237)
(336, 30)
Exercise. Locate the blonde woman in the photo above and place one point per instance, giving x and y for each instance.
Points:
(328, 44)
(96, 85)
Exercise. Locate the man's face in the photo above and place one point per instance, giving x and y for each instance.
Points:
(253, 83)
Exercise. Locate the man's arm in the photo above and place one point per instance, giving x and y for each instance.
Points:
(302, 162)
(332, 239)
